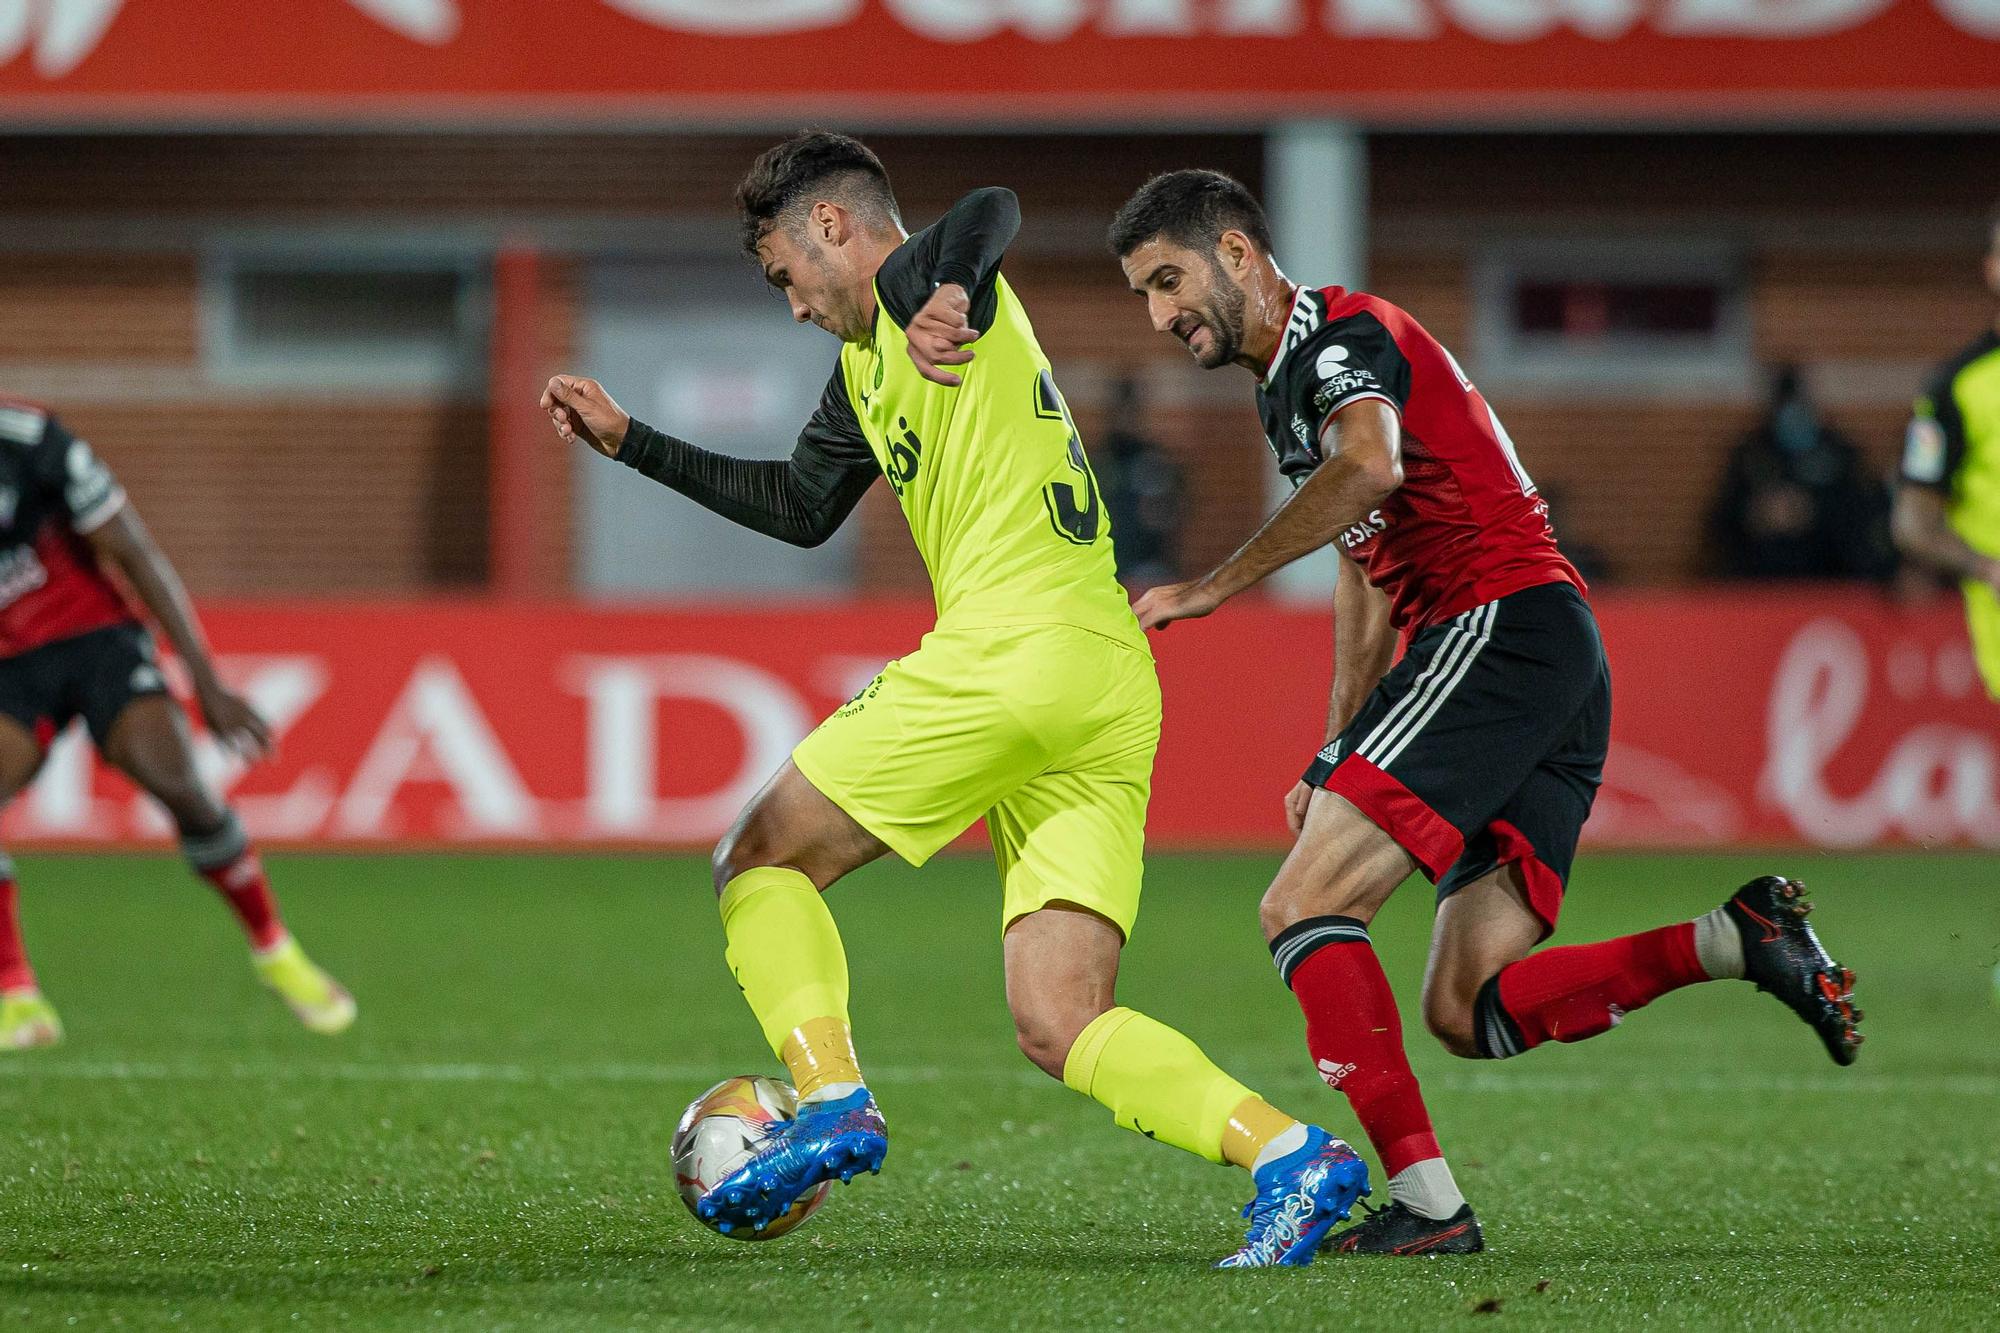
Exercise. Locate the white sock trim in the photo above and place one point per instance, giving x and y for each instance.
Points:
(1284, 1145)
(1427, 1189)
(831, 1092)
(1719, 945)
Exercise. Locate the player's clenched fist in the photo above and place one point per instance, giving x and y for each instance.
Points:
(582, 410)
(939, 334)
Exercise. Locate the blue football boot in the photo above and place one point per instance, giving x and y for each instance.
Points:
(1299, 1198)
(828, 1140)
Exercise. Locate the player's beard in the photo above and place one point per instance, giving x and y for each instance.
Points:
(1224, 317)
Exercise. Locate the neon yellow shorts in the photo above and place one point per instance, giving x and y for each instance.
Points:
(1982, 621)
(1046, 730)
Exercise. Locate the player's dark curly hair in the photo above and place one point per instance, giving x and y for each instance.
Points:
(1191, 208)
(816, 162)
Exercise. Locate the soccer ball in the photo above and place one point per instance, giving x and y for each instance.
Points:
(724, 1128)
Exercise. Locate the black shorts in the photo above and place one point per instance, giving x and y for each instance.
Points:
(91, 675)
(1485, 744)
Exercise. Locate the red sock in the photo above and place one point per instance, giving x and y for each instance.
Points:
(15, 974)
(1580, 990)
(242, 885)
(1355, 1036)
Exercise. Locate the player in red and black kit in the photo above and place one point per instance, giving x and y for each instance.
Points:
(1475, 757)
(71, 646)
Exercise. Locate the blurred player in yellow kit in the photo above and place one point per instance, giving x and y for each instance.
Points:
(1033, 702)
(1948, 499)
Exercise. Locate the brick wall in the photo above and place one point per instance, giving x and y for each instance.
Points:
(1862, 254)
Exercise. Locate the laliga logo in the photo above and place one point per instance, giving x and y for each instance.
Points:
(1937, 782)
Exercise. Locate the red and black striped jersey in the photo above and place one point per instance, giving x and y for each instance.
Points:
(53, 490)
(1466, 526)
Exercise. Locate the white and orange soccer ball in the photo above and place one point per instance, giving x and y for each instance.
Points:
(724, 1128)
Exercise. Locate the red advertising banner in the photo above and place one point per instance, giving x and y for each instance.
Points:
(1215, 60)
(1830, 720)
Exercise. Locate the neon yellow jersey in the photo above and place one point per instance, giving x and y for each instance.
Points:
(1953, 447)
(992, 477)
(1954, 442)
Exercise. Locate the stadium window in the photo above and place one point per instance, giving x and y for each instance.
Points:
(330, 317)
(1617, 313)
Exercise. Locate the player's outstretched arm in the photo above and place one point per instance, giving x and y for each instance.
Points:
(1362, 445)
(123, 541)
(802, 499)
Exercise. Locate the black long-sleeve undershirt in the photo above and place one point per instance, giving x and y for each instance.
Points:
(802, 499)
(805, 498)
(964, 246)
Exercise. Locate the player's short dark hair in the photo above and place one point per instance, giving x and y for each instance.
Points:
(817, 162)
(1191, 208)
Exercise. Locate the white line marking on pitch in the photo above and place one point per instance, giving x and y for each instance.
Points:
(29, 1067)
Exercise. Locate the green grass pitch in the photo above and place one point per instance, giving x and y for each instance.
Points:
(487, 1149)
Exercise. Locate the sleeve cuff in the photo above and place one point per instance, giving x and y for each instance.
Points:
(638, 444)
(100, 513)
(1352, 399)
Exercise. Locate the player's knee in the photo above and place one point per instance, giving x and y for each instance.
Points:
(1449, 1017)
(195, 810)
(758, 838)
(723, 862)
(1045, 1034)
(1286, 905)
(745, 847)
(1274, 913)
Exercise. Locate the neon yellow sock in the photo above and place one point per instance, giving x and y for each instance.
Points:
(785, 952)
(1155, 1081)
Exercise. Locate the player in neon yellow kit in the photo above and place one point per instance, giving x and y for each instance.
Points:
(1033, 702)
(1948, 502)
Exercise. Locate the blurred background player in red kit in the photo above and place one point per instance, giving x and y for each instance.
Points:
(71, 646)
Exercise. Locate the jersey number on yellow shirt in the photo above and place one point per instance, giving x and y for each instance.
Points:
(1078, 521)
